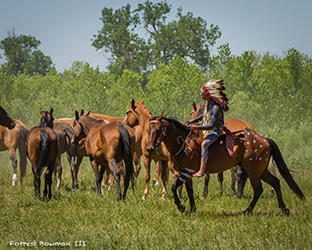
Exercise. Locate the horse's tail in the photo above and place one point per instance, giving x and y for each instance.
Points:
(126, 139)
(282, 167)
(22, 151)
(45, 143)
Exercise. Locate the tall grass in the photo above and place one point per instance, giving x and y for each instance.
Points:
(83, 218)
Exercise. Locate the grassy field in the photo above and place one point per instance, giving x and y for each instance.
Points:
(81, 219)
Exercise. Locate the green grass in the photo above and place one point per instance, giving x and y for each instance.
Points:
(102, 223)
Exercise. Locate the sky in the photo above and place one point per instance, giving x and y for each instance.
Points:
(65, 27)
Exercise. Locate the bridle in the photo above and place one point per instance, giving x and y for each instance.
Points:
(163, 130)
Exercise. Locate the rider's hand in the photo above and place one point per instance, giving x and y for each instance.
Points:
(194, 126)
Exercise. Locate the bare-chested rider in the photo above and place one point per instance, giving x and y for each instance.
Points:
(212, 120)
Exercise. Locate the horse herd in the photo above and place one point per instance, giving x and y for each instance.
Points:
(114, 145)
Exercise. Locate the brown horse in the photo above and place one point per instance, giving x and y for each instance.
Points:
(109, 179)
(237, 173)
(106, 145)
(251, 151)
(42, 150)
(81, 151)
(64, 132)
(13, 135)
(5, 119)
(138, 115)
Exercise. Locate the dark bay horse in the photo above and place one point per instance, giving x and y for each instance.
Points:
(42, 150)
(237, 173)
(106, 145)
(5, 119)
(138, 115)
(251, 151)
(64, 132)
(13, 135)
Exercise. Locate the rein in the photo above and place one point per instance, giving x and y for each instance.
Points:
(187, 137)
(182, 143)
(163, 131)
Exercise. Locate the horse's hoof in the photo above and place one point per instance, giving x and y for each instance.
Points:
(14, 179)
(164, 196)
(155, 183)
(143, 198)
(193, 209)
(181, 208)
(247, 212)
(286, 211)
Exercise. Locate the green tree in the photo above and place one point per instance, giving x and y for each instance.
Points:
(117, 38)
(23, 56)
(187, 37)
(172, 88)
(121, 92)
(295, 65)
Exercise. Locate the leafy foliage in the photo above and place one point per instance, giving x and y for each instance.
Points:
(23, 56)
(187, 37)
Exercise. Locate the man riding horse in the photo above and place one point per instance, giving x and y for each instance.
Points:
(212, 120)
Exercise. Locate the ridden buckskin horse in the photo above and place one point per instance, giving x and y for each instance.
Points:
(237, 173)
(13, 134)
(42, 150)
(5, 119)
(251, 151)
(138, 114)
(106, 145)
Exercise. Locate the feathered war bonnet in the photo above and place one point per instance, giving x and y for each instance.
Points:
(214, 89)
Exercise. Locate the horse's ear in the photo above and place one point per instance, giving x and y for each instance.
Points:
(194, 106)
(81, 112)
(142, 102)
(76, 114)
(132, 103)
(161, 115)
(41, 111)
(88, 113)
(51, 111)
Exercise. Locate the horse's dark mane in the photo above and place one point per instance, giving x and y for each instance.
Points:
(91, 118)
(178, 124)
(43, 120)
(201, 110)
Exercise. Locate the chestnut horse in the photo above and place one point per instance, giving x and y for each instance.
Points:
(109, 179)
(81, 151)
(251, 151)
(237, 173)
(136, 115)
(5, 119)
(106, 145)
(13, 135)
(42, 150)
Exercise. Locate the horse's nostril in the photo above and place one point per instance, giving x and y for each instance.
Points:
(151, 150)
